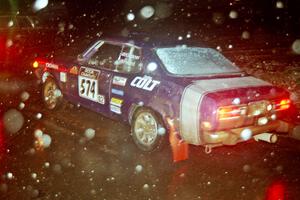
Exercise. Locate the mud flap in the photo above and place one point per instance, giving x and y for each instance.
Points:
(180, 149)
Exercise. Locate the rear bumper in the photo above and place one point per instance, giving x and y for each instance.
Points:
(233, 136)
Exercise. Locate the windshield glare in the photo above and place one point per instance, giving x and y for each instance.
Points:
(194, 61)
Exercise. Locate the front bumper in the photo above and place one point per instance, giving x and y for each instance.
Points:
(233, 136)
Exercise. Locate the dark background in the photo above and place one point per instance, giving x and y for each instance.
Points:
(106, 166)
(209, 17)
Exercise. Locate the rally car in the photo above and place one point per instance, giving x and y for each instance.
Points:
(193, 91)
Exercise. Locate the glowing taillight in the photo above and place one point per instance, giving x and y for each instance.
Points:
(231, 112)
(35, 64)
(284, 104)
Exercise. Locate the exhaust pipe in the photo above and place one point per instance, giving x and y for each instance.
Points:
(267, 137)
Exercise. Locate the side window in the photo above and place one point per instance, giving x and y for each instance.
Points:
(129, 61)
(106, 56)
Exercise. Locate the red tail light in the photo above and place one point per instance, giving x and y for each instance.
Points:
(231, 112)
(35, 64)
(283, 104)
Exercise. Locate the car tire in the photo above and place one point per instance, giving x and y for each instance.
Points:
(148, 130)
(52, 96)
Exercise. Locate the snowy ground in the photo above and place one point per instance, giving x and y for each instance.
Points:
(74, 153)
(78, 165)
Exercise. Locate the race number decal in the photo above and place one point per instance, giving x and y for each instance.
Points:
(88, 88)
(88, 85)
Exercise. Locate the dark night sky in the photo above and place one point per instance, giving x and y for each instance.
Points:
(206, 17)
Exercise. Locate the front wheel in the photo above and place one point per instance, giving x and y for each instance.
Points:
(52, 95)
(147, 129)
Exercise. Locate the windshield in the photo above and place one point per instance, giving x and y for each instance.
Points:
(194, 61)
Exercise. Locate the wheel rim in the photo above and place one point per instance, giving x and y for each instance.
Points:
(145, 129)
(50, 97)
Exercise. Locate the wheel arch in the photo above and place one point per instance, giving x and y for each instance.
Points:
(136, 107)
(161, 131)
(46, 75)
(59, 100)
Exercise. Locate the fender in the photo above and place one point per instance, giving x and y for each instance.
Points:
(46, 75)
(132, 109)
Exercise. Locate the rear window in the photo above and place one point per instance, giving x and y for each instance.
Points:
(191, 61)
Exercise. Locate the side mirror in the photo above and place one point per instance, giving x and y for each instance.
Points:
(80, 58)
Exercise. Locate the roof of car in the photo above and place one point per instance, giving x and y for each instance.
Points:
(145, 41)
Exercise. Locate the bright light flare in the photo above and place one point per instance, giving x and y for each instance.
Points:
(276, 190)
(147, 12)
(246, 134)
(279, 5)
(231, 112)
(35, 64)
(130, 16)
(283, 105)
(40, 4)
(152, 66)
(296, 46)
(233, 14)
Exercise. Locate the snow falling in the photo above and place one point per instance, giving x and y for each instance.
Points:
(246, 35)
(25, 96)
(147, 12)
(89, 133)
(138, 168)
(233, 14)
(279, 4)
(40, 4)
(9, 43)
(74, 153)
(130, 16)
(42, 140)
(296, 46)
(21, 106)
(13, 121)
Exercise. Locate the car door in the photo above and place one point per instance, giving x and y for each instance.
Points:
(127, 68)
(95, 77)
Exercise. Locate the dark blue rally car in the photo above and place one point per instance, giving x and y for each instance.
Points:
(195, 91)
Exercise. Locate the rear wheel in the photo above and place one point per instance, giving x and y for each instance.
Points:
(147, 129)
(52, 95)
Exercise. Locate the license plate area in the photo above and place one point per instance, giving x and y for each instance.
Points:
(258, 108)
